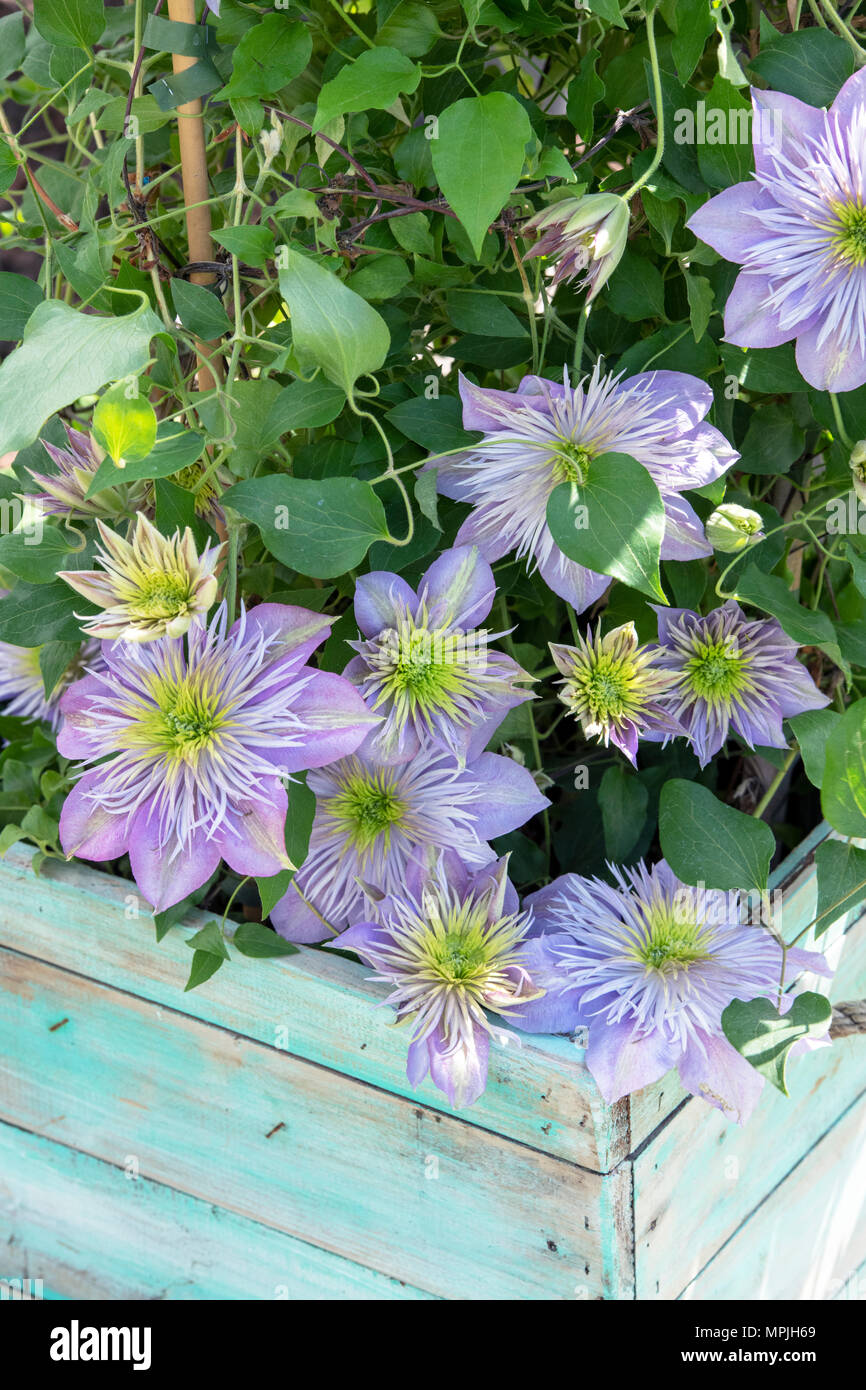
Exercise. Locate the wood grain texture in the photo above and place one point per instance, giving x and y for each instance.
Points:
(808, 1238)
(320, 1007)
(700, 1176)
(88, 1230)
(389, 1184)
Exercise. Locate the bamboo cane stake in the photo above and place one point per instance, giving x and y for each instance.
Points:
(193, 159)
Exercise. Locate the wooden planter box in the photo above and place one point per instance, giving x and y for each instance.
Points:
(258, 1138)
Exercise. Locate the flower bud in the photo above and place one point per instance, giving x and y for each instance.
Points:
(582, 236)
(731, 528)
(858, 469)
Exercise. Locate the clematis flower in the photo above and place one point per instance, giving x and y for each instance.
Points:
(733, 674)
(547, 433)
(64, 493)
(731, 528)
(191, 744)
(452, 949)
(374, 820)
(22, 689)
(612, 688)
(422, 664)
(583, 236)
(152, 586)
(798, 229)
(649, 965)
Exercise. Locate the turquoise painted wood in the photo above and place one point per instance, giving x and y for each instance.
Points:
(258, 1139)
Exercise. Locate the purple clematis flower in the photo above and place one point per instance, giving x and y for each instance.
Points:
(649, 965)
(373, 820)
(22, 688)
(799, 231)
(452, 948)
(199, 740)
(423, 665)
(547, 433)
(732, 674)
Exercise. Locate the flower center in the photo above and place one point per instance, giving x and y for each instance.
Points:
(368, 806)
(607, 689)
(186, 722)
(850, 232)
(671, 945)
(571, 462)
(161, 594)
(425, 670)
(716, 671)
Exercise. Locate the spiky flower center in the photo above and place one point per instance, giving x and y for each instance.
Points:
(161, 594)
(190, 478)
(571, 462)
(670, 944)
(187, 720)
(607, 687)
(367, 806)
(459, 953)
(849, 230)
(423, 664)
(716, 671)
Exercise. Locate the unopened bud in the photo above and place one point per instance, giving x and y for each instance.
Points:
(731, 528)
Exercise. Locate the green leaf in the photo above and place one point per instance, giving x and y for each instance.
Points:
(765, 1037)
(636, 290)
(774, 441)
(209, 939)
(204, 965)
(841, 870)
(410, 27)
(303, 405)
(608, 10)
(299, 825)
(268, 57)
(54, 659)
(623, 800)
(478, 158)
(614, 523)
(811, 730)
(37, 561)
(124, 423)
(725, 153)
(705, 841)
(176, 448)
(585, 91)
(199, 310)
(253, 245)
(843, 793)
(320, 527)
(701, 301)
(8, 166)
(436, 424)
(804, 626)
(260, 942)
(145, 110)
(37, 613)
(332, 327)
(11, 43)
(694, 25)
(763, 369)
(18, 298)
(375, 79)
(66, 354)
(811, 64)
(69, 23)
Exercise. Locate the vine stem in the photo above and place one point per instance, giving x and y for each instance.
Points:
(660, 119)
(842, 28)
(529, 299)
(793, 755)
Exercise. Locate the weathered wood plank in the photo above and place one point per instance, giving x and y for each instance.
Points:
(89, 1231)
(318, 1006)
(387, 1183)
(700, 1176)
(809, 1236)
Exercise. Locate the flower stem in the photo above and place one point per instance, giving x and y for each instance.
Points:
(837, 416)
(776, 783)
(842, 28)
(660, 119)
